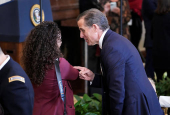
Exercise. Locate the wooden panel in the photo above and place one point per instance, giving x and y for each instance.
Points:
(13, 49)
(70, 23)
(64, 9)
(67, 11)
(65, 14)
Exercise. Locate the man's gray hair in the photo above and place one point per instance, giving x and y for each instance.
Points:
(94, 16)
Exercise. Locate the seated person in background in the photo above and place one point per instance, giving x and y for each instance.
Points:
(114, 14)
(41, 49)
(16, 91)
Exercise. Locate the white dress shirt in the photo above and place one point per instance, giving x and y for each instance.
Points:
(100, 43)
(3, 64)
(102, 37)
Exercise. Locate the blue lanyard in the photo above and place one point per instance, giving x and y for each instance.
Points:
(58, 74)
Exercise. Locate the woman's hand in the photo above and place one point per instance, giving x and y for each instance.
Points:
(116, 10)
(106, 8)
(85, 73)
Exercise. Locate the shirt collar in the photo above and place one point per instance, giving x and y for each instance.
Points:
(3, 64)
(102, 37)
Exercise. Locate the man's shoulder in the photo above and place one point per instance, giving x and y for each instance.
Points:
(117, 44)
(15, 68)
(12, 72)
(115, 41)
(112, 36)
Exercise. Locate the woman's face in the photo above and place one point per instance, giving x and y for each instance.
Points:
(59, 42)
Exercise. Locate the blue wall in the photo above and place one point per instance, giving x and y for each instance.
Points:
(15, 22)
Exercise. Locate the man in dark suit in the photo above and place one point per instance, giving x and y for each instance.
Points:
(126, 89)
(16, 91)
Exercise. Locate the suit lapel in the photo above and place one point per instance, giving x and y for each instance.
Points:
(106, 36)
(105, 97)
(104, 41)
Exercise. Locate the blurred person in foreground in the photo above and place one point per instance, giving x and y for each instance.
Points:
(42, 48)
(16, 91)
(126, 88)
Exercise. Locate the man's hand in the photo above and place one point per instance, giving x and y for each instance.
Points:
(85, 73)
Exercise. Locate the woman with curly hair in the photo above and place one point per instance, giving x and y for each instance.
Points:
(42, 47)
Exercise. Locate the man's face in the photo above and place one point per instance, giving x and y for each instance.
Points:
(88, 33)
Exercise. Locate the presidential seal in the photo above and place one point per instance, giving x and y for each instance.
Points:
(35, 14)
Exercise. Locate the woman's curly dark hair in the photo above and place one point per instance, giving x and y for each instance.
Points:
(40, 50)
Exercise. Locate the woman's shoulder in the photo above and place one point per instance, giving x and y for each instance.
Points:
(67, 70)
(64, 63)
(63, 60)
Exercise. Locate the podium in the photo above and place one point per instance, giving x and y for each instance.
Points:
(17, 20)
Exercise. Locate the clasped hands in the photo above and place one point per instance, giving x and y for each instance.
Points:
(85, 73)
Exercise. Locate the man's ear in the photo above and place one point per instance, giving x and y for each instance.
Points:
(95, 27)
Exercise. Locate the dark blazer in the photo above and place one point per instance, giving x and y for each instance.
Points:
(126, 88)
(47, 95)
(16, 97)
(161, 41)
(148, 8)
